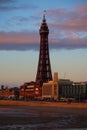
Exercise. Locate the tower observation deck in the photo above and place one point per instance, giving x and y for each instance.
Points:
(44, 68)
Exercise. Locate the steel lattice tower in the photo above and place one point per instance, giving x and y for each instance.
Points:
(44, 68)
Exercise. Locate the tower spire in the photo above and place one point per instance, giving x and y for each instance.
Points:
(44, 13)
(44, 68)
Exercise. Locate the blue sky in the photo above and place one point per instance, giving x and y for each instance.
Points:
(19, 39)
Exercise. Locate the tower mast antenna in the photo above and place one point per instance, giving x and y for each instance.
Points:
(44, 13)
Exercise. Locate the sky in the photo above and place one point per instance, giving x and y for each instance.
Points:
(20, 21)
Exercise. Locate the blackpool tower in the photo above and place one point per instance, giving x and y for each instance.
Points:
(44, 68)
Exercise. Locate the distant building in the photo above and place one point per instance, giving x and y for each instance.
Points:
(75, 90)
(65, 86)
(79, 90)
(9, 93)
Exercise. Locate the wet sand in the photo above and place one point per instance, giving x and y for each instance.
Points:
(19, 115)
(42, 103)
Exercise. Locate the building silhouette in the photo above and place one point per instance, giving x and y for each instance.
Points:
(44, 68)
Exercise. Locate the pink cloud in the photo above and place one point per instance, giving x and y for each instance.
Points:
(68, 29)
(75, 20)
(18, 37)
(82, 9)
(28, 41)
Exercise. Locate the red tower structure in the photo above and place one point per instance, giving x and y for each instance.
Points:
(44, 68)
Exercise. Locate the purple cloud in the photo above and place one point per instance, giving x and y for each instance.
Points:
(68, 30)
(6, 1)
(63, 20)
(9, 8)
(31, 40)
(19, 47)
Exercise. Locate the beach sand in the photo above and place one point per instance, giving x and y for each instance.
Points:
(39, 115)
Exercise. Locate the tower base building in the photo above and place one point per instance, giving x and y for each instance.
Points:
(50, 89)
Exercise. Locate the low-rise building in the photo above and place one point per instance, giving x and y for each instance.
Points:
(9, 93)
(27, 90)
(72, 90)
(50, 89)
